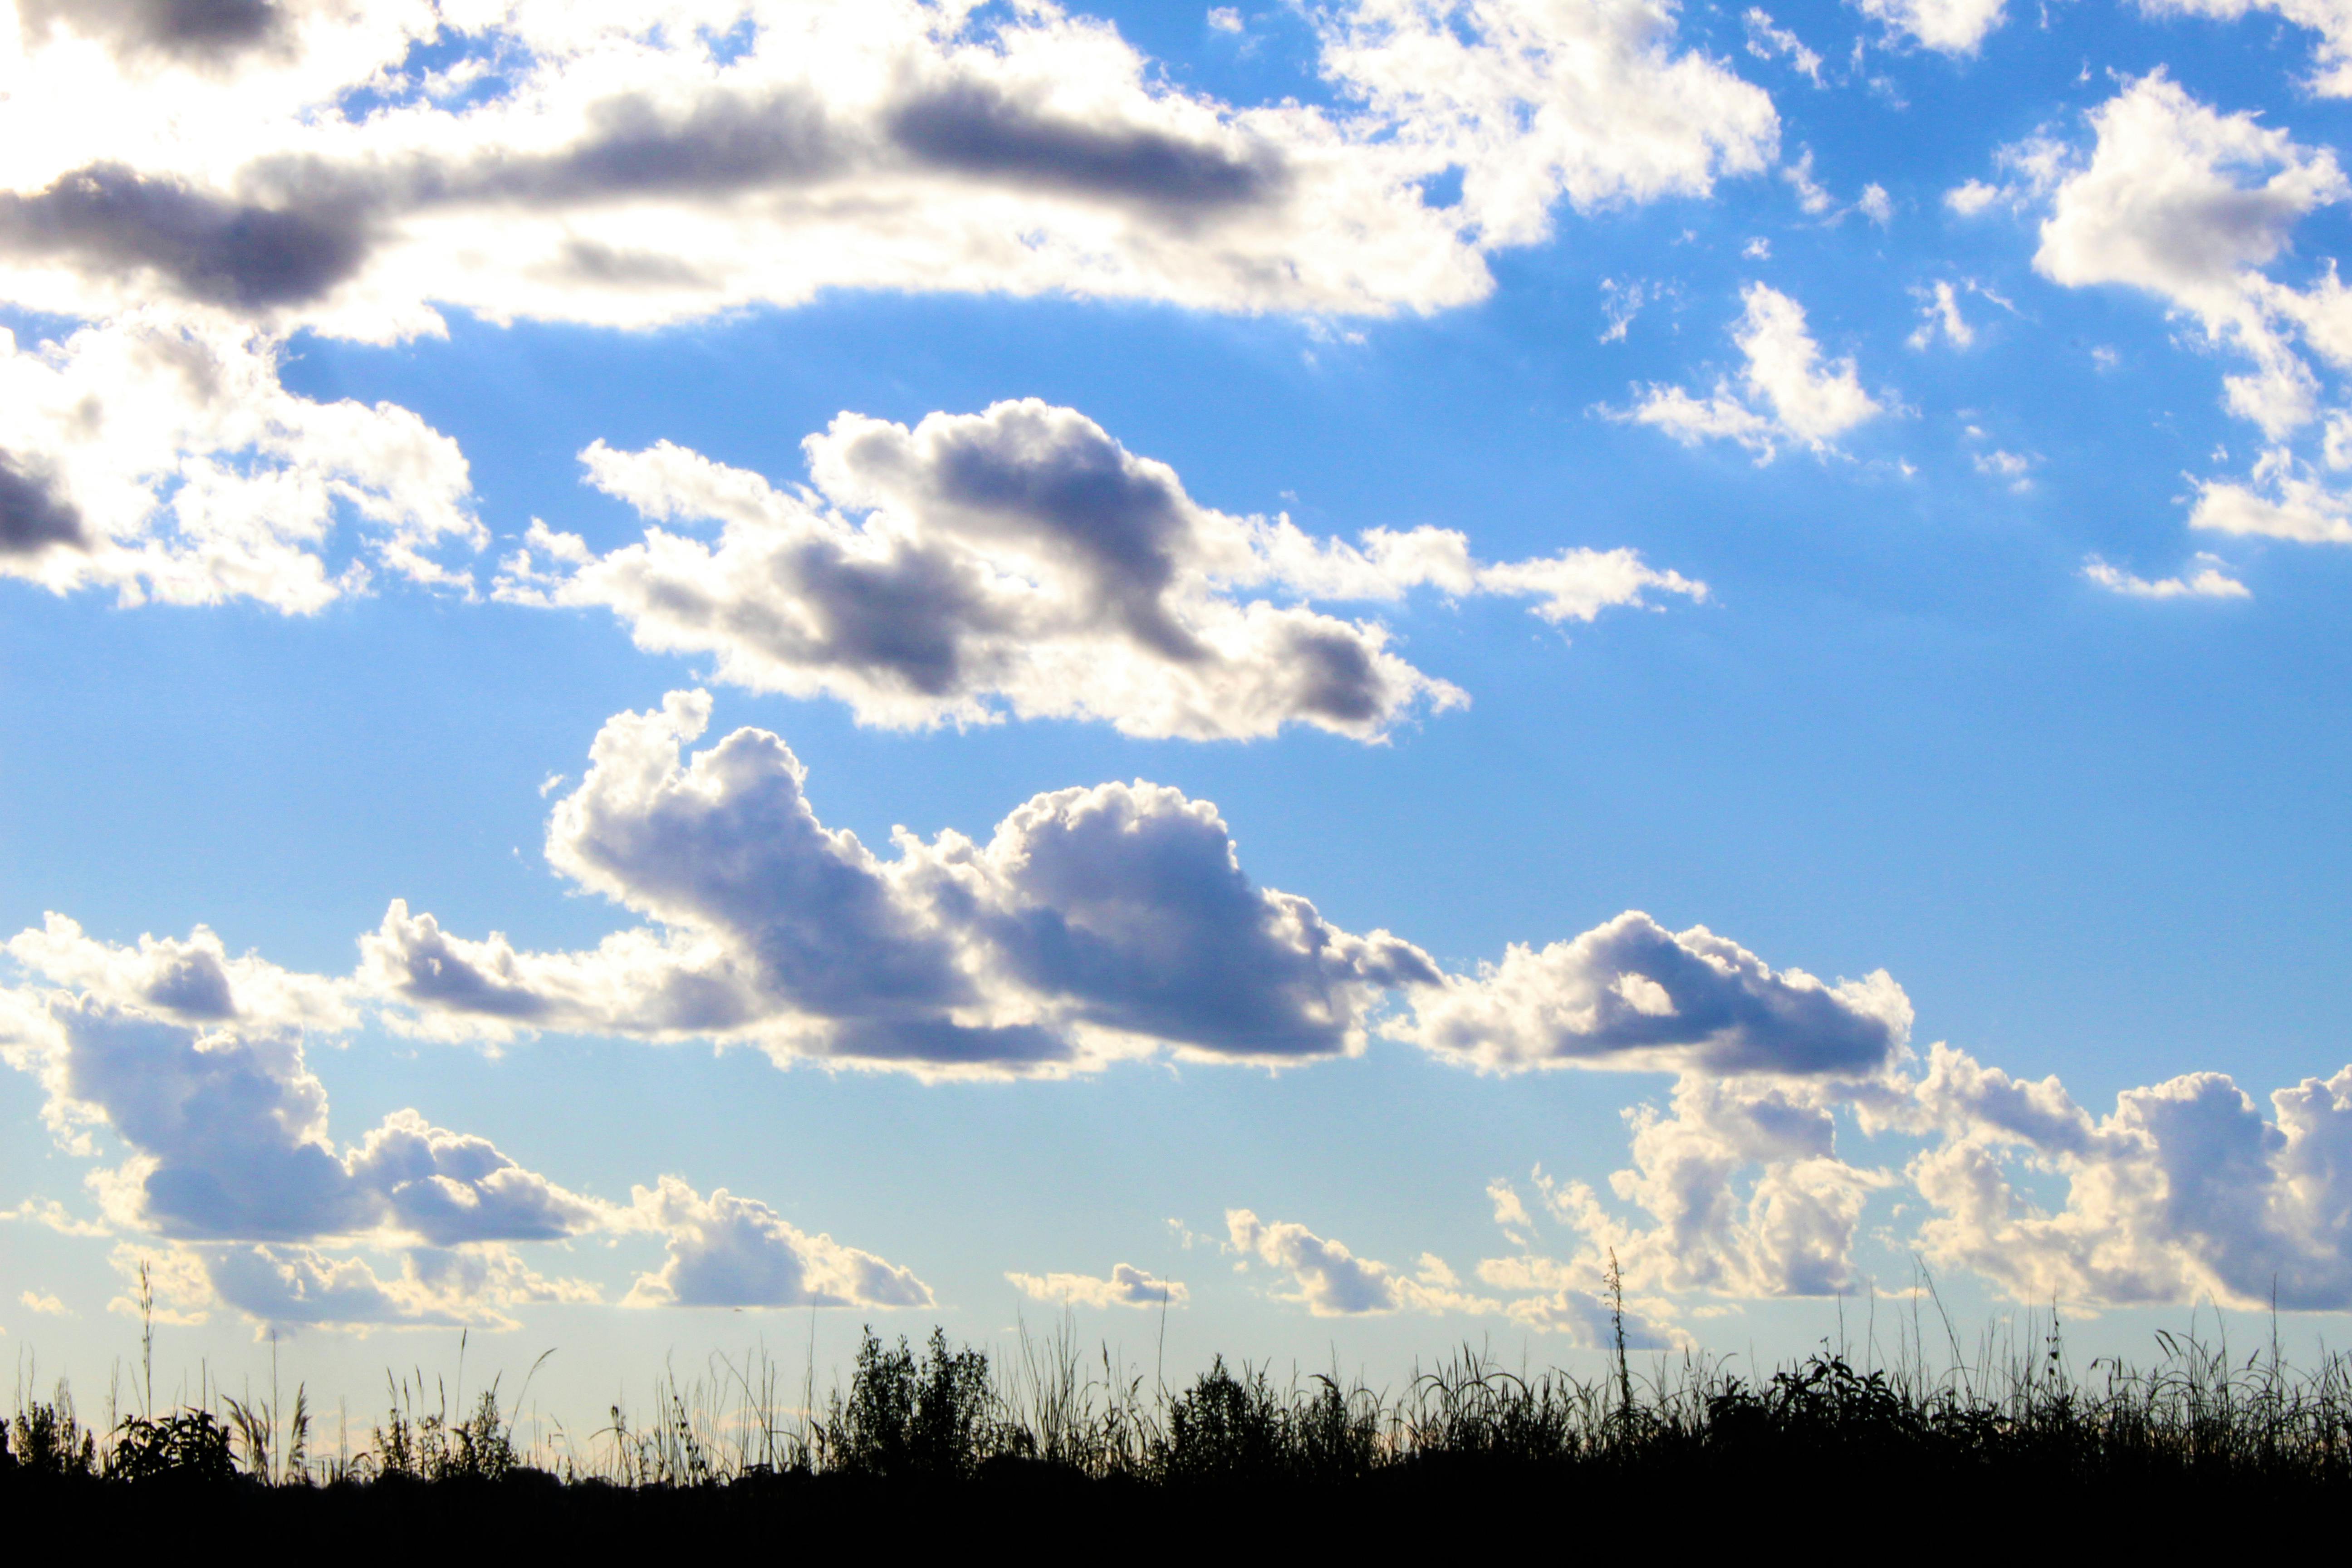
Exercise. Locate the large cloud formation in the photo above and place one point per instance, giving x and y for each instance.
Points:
(1023, 557)
(1093, 924)
(189, 185)
(628, 165)
(195, 1063)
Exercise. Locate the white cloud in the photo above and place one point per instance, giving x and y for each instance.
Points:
(2186, 1191)
(1972, 197)
(602, 165)
(1225, 19)
(194, 193)
(1940, 312)
(2209, 581)
(1948, 27)
(729, 1251)
(2192, 205)
(1876, 204)
(1786, 393)
(48, 1306)
(2333, 78)
(162, 458)
(1632, 996)
(1022, 560)
(1810, 196)
(189, 982)
(1126, 1287)
(1331, 1282)
(1768, 40)
(1790, 1233)
(2013, 469)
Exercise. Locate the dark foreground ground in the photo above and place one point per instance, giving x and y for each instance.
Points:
(1809, 1508)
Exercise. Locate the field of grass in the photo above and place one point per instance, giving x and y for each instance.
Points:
(933, 1436)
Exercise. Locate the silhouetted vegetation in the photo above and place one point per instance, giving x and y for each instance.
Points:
(2198, 1427)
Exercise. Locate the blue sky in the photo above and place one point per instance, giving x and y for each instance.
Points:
(1859, 488)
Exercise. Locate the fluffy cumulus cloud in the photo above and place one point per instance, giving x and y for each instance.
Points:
(729, 1251)
(2198, 208)
(1021, 559)
(162, 459)
(1786, 393)
(2186, 1191)
(1128, 1286)
(1742, 1194)
(1093, 924)
(195, 1064)
(1630, 995)
(1331, 1282)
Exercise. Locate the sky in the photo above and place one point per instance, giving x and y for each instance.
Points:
(694, 674)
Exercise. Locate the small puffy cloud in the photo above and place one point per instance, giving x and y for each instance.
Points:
(1126, 1287)
(163, 458)
(2211, 580)
(1786, 393)
(1876, 204)
(1769, 40)
(1022, 559)
(1331, 1282)
(1939, 314)
(1948, 26)
(1811, 197)
(194, 981)
(1225, 19)
(1632, 995)
(48, 1306)
(729, 1251)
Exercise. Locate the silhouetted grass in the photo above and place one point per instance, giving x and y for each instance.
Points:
(932, 1436)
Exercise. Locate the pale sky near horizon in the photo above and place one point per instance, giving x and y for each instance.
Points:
(679, 673)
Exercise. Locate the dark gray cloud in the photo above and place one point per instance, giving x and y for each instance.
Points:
(235, 1126)
(194, 31)
(1042, 480)
(973, 127)
(1130, 902)
(32, 515)
(115, 222)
